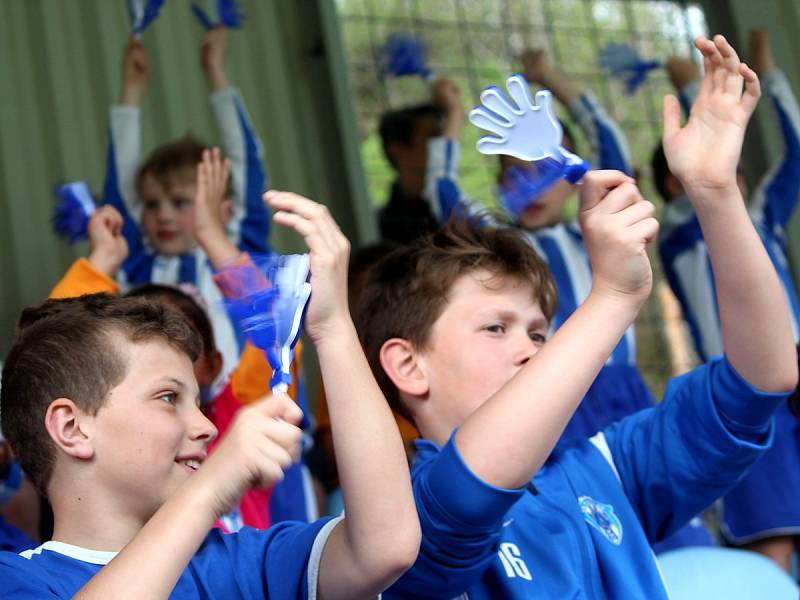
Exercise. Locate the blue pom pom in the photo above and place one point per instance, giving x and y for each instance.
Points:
(230, 13)
(403, 55)
(143, 13)
(72, 211)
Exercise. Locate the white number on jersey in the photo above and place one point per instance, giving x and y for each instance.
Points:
(512, 561)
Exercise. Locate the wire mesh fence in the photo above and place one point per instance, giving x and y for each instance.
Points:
(477, 43)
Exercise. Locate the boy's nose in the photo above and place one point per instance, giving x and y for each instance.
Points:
(201, 429)
(526, 351)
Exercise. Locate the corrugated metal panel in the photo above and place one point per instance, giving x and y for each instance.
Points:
(60, 71)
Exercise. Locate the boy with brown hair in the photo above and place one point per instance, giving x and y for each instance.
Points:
(100, 402)
(499, 518)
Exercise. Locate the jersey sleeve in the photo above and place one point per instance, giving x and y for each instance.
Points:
(442, 190)
(461, 518)
(248, 227)
(282, 562)
(82, 278)
(608, 144)
(124, 147)
(675, 459)
(776, 196)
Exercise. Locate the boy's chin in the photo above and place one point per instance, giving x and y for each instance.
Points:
(170, 250)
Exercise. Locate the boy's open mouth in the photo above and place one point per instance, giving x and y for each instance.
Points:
(192, 464)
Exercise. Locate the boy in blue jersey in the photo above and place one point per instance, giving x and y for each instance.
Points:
(455, 327)
(762, 512)
(156, 198)
(100, 402)
(619, 389)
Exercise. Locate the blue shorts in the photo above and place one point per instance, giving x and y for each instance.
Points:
(766, 503)
(618, 391)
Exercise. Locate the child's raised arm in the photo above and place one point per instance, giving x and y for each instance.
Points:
(379, 537)
(135, 73)
(507, 439)
(704, 154)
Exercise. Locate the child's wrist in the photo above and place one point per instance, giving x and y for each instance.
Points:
(217, 78)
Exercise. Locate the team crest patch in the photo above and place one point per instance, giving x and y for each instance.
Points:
(601, 517)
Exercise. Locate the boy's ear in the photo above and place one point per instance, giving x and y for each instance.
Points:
(63, 422)
(208, 367)
(401, 364)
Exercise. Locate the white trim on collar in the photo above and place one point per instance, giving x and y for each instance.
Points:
(95, 557)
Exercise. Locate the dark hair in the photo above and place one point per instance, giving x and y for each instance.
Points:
(69, 348)
(398, 126)
(660, 171)
(794, 399)
(165, 161)
(185, 304)
(408, 290)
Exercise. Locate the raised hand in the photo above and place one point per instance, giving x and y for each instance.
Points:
(759, 54)
(681, 71)
(263, 441)
(521, 127)
(108, 247)
(212, 208)
(535, 65)
(447, 96)
(213, 50)
(135, 73)
(328, 255)
(704, 154)
(617, 225)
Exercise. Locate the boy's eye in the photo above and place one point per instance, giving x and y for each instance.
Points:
(150, 205)
(496, 328)
(168, 397)
(537, 338)
(181, 203)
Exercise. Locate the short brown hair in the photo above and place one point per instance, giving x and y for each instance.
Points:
(408, 290)
(170, 159)
(66, 349)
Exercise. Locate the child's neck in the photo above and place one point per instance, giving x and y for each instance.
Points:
(93, 523)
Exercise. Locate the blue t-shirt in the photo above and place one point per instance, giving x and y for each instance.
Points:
(280, 563)
(584, 526)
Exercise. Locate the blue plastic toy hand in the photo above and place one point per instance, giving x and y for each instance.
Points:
(623, 62)
(522, 128)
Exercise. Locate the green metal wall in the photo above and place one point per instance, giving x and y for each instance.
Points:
(60, 70)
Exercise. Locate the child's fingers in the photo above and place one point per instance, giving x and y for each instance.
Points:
(646, 229)
(317, 214)
(752, 88)
(733, 79)
(620, 198)
(597, 184)
(671, 115)
(636, 212)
